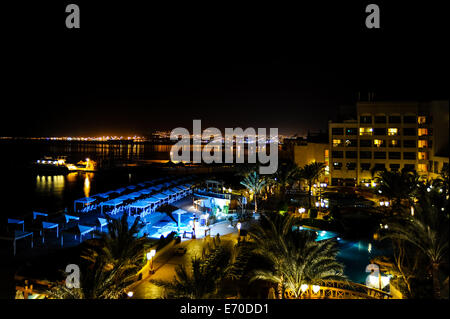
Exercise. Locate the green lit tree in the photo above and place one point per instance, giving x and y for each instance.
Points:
(255, 184)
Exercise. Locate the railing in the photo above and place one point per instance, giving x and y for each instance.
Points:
(329, 289)
(212, 194)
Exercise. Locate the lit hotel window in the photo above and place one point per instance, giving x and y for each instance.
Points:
(392, 131)
(378, 143)
(422, 132)
(337, 142)
(394, 143)
(423, 143)
(421, 119)
(365, 131)
(422, 167)
(422, 155)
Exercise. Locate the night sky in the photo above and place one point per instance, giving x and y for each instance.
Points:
(133, 69)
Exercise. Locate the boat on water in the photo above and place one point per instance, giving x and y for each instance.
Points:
(59, 165)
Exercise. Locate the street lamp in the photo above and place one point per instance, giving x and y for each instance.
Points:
(238, 225)
(194, 236)
(150, 256)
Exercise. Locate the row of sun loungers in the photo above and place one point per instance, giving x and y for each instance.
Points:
(140, 203)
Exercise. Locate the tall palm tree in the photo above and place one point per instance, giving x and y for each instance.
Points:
(311, 173)
(201, 280)
(397, 186)
(98, 280)
(111, 265)
(255, 184)
(296, 257)
(121, 244)
(287, 174)
(427, 230)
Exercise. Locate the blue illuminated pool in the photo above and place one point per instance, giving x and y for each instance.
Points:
(355, 255)
(158, 224)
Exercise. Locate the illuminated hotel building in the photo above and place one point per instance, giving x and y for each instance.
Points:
(313, 148)
(391, 136)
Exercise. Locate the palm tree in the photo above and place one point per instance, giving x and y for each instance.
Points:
(255, 184)
(98, 281)
(397, 186)
(402, 265)
(427, 230)
(296, 257)
(311, 173)
(287, 174)
(121, 244)
(112, 264)
(201, 280)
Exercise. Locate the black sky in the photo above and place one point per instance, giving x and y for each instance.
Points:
(132, 69)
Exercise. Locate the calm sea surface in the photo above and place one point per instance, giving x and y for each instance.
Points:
(23, 190)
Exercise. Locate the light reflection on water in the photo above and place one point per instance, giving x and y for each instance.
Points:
(54, 192)
(50, 184)
(87, 184)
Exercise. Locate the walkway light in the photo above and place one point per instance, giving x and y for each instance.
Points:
(304, 287)
(150, 256)
(412, 210)
(130, 294)
(315, 289)
(238, 226)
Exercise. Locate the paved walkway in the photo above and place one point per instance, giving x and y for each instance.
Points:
(166, 263)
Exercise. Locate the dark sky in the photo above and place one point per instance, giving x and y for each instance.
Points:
(132, 69)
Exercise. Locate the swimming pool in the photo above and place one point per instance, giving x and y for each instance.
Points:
(158, 224)
(355, 255)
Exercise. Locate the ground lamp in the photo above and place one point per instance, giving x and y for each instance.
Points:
(150, 256)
